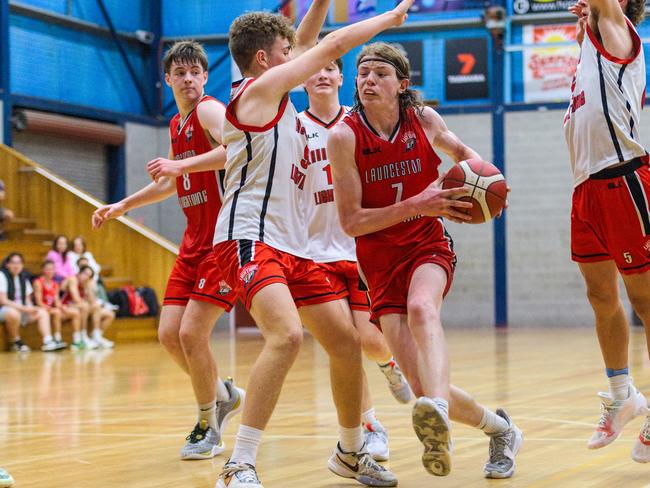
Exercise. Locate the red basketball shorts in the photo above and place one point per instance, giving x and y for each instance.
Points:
(250, 266)
(388, 271)
(200, 280)
(344, 277)
(610, 218)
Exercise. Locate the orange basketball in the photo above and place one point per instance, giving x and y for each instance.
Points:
(488, 188)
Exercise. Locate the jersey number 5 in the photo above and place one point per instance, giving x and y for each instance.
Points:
(400, 188)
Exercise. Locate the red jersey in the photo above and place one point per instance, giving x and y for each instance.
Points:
(199, 194)
(67, 297)
(50, 292)
(391, 171)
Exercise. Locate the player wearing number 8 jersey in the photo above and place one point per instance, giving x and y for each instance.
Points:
(610, 216)
(388, 194)
(197, 293)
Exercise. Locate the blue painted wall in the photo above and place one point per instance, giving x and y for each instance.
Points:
(75, 67)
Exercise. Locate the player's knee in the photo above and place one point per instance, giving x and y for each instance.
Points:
(55, 312)
(189, 339)
(169, 338)
(641, 305)
(602, 300)
(422, 310)
(288, 340)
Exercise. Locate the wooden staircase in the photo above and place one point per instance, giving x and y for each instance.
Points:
(48, 205)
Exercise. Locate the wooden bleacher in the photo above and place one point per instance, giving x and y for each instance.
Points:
(47, 205)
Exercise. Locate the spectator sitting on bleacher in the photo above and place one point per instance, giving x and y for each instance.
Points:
(46, 295)
(100, 288)
(17, 308)
(79, 251)
(60, 256)
(6, 215)
(83, 290)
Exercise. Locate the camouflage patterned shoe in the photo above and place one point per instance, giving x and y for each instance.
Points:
(433, 429)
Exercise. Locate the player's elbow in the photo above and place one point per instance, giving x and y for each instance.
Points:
(350, 226)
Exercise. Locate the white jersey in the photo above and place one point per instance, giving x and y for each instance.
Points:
(327, 241)
(264, 198)
(602, 122)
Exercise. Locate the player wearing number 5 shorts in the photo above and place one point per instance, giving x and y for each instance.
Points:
(610, 217)
(196, 294)
(388, 194)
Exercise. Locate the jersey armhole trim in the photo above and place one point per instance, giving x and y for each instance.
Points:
(636, 45)
(232, 118)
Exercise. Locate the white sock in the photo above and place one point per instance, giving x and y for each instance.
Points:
(246, 444)
(351, 440)
(442, 404)
(47, 338)
(57, 336)
(84, 335)
(368, 417)
(76, 337)
(491, 423)
(208, 412)
(223, 395)
(619, 386)
(97, 334)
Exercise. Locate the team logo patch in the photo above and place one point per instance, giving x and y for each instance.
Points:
(188, 133)
(224, 289)
(247, 273)
(409, 140)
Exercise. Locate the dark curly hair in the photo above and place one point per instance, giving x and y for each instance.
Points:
(635, 11)
(380, 50)
(256, 31)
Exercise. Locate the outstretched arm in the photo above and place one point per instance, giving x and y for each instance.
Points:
(258, 104)
(310, 27)
(152, 193)
(356, 220)
(606, 17)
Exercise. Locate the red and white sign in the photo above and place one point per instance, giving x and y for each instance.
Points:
(548, 71)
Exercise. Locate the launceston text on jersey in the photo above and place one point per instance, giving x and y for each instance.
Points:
(198, 198)
(393, 170)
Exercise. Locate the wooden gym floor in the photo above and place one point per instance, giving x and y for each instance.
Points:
(118, 418)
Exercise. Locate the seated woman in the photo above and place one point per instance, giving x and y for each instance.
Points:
(17, 308)
(46, 295)
(79, 250)
(60, 256)
(81, 291)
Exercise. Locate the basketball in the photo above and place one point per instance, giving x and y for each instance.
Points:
(487, 185)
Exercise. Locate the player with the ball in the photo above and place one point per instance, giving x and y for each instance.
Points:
(389, 196)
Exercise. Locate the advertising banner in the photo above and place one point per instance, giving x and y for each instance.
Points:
(466, 74)
(548, 71)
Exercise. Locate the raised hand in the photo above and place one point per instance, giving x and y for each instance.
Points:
(401, 11)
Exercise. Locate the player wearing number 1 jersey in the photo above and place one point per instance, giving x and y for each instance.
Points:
(388, 195)
(196, 292)
(610, 216)
(334, 250)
